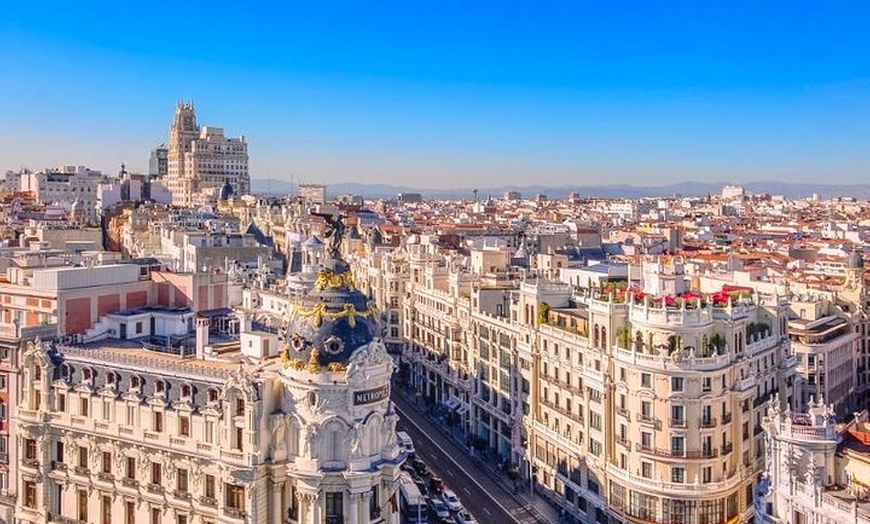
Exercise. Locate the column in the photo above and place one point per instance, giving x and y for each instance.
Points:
(364, 507)
(353, 513)
(314, 513)
(277, 502)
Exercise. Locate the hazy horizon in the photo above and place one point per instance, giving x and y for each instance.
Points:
(450, 95)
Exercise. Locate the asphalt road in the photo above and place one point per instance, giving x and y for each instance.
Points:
(486, 500)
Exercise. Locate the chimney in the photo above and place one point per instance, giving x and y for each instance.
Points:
(202, 325)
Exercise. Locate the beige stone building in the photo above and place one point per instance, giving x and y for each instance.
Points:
(622, 407)
(202, 160)
(120, 431)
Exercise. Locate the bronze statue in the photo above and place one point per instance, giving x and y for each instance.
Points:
(334, 232)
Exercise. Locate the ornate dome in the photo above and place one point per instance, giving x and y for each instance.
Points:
(332, 321)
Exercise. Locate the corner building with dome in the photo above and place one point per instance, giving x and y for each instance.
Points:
(120, 430)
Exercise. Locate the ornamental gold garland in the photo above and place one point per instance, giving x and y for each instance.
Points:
(319, 312)
(328, 279)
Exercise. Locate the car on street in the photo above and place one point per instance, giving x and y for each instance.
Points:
(438, 508)
(405, 442)
(451, 500)
(464, 517)
(436, 485)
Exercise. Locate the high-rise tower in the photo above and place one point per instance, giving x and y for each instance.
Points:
(201, 160)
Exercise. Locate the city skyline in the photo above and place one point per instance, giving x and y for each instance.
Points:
(451, 97)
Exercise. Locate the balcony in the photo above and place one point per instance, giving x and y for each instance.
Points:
(130, 483)
(727, 448)
(155, 488)
(649, 420)
(624, 442)
(624, 412)
(105, 477)
(181, 494)
(234, 513)
(82, 470)
(708, 422)
(58, 466)
(30, 463)
(678, 423)
(726, 418)
(208, 501)
(677, 453)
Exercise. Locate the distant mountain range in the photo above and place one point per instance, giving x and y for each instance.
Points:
(859, 191)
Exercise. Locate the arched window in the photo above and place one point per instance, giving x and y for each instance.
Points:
(604, 341)
(597, 336)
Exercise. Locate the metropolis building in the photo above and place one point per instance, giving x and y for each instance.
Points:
(123, 431)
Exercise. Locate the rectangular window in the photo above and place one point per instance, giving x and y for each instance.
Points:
(646, 380)
(82, 505)
(157, 422)
(155, 515)
(181, 479)
(374, 504)
(236, 496)
(84, 403)
(107, 462)
(334, 506)
(210, 486)
(29, 494)
(61, 402)
(129, 512)
(106, 509)
(184, 425)
(131, 415)
(83, 457)
(678, 475)
(130, 469)
(107, 410)
(208, 430)
(156, 473)
(30, 449)
(58, 452)
(676, 383)
(646, 470)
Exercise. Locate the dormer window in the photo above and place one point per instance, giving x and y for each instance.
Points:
(110, 379)
(159, 386)
(212, 395)
(240, 407)
(186, 391)
(86, 374)
(37, 372)
(135, 382)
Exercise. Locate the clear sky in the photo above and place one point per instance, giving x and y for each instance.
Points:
(450, 93)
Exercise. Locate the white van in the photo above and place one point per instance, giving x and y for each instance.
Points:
(405, 442)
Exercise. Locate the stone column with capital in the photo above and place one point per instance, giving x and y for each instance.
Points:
(277, 502)
(353, 513)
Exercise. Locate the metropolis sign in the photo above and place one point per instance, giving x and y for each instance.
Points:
(370, 396)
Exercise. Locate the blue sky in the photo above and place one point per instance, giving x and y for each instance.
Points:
(449, 93)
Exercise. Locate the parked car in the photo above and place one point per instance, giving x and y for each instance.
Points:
(464, 517)
(436, 485)
(451, 500)
(438, 509)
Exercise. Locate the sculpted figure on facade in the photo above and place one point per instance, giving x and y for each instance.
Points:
(278, 426)
(354, 439)
(388, 428)
(311, 432)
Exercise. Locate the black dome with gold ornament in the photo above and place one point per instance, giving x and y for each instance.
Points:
(334, 319)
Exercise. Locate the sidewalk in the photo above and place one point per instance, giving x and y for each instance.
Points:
(543, 511)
